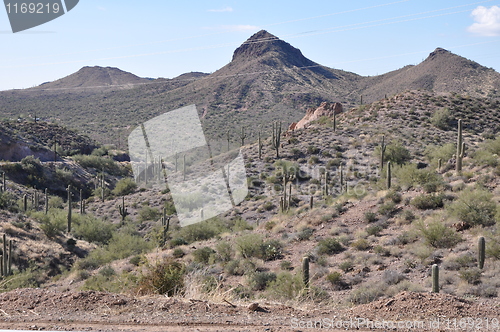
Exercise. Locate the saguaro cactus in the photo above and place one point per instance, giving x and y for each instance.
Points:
(460, 148)
(184, 167)
(243, 135)
(25, 202)
(165, 222)
(341, 170)
(435, 278)
(260, 146)
(46, 201)
(389, 176)
(305, 271)
(383, 147)
(325, 191)
(69, 208)
(123, 209)
(4, 255)
(440, 163)
(4, 188)
(334, 121)
(276, 137)
(6, 258)
(481, 252)
(82, 209)
(311, 202)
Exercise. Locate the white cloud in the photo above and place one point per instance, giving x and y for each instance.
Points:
(487, 21)
(222, 10)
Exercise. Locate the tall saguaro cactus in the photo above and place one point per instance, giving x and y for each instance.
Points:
(460, 147)
(389, 175)
(4, 188)
(305, 271)
(46, 201)
(383, 147)
(481, 252)
(276, 138)
(435, 278)
(260, 146)
(69, 208)
(6, 258)
(123, 209)
(243, 135)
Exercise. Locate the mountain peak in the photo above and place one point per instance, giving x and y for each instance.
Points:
(264, 43)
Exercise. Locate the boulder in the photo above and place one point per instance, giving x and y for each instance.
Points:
(325, 109)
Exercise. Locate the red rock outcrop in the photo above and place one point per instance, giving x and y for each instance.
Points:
(325, 109)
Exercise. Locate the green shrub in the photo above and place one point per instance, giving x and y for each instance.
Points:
(249, 245)
(374, 230)
(370, 216)
(178, 253)
(259, 281)
(471, 275)
(99, 163)
(474, 207)
(486, 158)
(53, 223)
(305, 234)
(394, 196)
(202, 255)
(91, 229)
(444, 152)
(387, 209)
(286, 265)
(409, 175)
(335, 278)
(204, 230)
(8, 201)
(428, 202)
(177, 242)
(286, 286)
(367, 293)
(149, 213)
(124, 187)
(165, 277)
(361, 244)
(437, 235)
(271, 250)
(395, 153)
(224, 251)
(329, 247)
(346, 266)
(441, 118)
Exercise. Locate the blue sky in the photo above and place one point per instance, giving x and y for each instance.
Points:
(167, 38)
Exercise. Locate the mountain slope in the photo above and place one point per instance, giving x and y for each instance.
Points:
(95, 77)
(267, 80)
(442, 71)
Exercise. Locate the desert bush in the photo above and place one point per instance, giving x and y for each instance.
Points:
(149, 213)
(392, 277)
(92, 229)
(346, 266)
(470, 275)
(395, 153)
(8, 201)
(444, 152)
(427, 202)
(474, 207)
(361, 244)
(271, 250)
(99, 163)
(387, 209)
(484, 157)
(286, 265)
(286, 286)
(249, 245)
(305, 234)
(53, 223)
(204, 230)
(124, 187)
(178, 253)
(329, 246)
(166, 277)
(224, 251)
(202, 255)
(374, 230)
(409, 175)
(259, 281)
(367, 293)
(394, 196)
(56, 202)
(437, 235)
(370, 217)
(441, 118)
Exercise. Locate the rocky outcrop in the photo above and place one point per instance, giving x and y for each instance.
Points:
(325, 109)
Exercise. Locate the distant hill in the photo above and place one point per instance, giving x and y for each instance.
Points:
(95, 77)
(267, 80)
(441, 72)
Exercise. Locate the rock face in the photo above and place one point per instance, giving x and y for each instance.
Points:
(325, 109)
